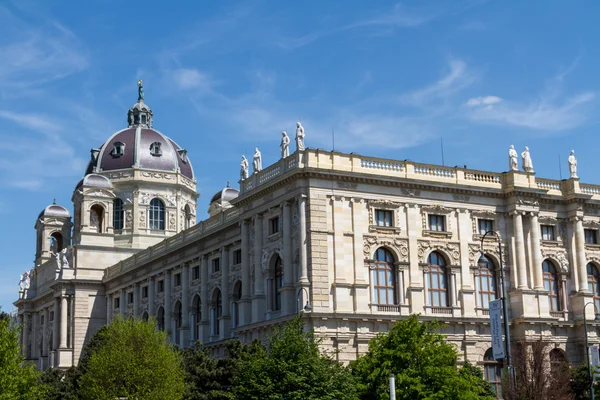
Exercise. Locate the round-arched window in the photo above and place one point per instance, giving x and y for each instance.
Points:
(551, 285)
(157, 215)
(383, 279)
(486, 285)
(435, 280)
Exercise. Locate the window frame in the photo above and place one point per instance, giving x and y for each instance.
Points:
(155, 149)
(161, 286)
(276, 285)
(195, 272)
(384, 263)
(545, 230)
(177, 279)
(156, 215)
(384, 218)
(274, 225)
(118, 214)
(491, 366)
(552, 285)
(437, 218)
(594, 280)
(485, 221)
(590, 233)
(439, 274)
(237, 256)
(215, 264)
(145, 292)
(488, 275)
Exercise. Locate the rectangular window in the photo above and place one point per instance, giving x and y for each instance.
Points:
(177, 280)
(51, 316)
(117, 302)
(130, 298)
(547, 232)
(41, 320)
(237, 257)
(591, 236)
(161, 286)
(273, 225)
(437, 223)
(485, 225)
(145, 292)
(196, 272)
(216, 266)
(383, 218)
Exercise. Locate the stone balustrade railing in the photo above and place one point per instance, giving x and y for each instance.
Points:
(183, 237)
(320, 159)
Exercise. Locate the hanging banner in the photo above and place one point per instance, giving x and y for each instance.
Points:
(496, 329)
(595, 360)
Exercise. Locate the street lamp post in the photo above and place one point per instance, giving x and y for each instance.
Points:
(484, 262)
(587, 352)
(307, 306)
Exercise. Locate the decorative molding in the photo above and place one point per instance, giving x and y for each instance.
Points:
(99, 193)
(528, 201)
(559, 256)
(128, 219)
(142, 220)
(488, 248)
(172, 225)
(548, 219)
(437, 210)
(461, 197)
(451, 249)
(119, 175)
(373, 242)
(347, 185)
(410, 192)
(156, 175)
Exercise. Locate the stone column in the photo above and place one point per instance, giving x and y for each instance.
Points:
(56, 324)
(452, 289)
(204, 298)
(64, 306)
(537, 252)
(122, 302)
(520, 247)
(361, 274)
(136, 299)
(184, 337)
(226, 314)
(167, 305)
(26, 348)
(45, 332)
(109, 308)
(580, 254)
(35, 326)
(287, 295)
(246, 311)
(151, 297)
(303, 250)
(258, 301)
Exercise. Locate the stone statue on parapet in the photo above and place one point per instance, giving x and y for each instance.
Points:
(513, 163)
(285, 144)
(573, 165)
(526, 160)
(140, 90)
(257, 162)
(24, 281)
(243, 168)
(299, 136)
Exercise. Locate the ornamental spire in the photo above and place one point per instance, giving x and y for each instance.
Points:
(140, 114)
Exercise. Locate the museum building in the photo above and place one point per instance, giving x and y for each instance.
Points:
(353, 242)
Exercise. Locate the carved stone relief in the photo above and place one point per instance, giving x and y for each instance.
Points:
(142, 219)
(172, 222)
(98, 193)
(128, 219)
(560, 257)
(373, 242)
(156, 175)
(451, 249)
(410, 192)
(488, 248)
(347, 185)
(426, 210)
(528, 201)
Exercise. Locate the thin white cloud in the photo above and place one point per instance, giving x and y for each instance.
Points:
(482, 101)
(190, 78)
(458, 77)
(30, 121)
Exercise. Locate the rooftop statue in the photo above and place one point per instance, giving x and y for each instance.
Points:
(513, 163)
(140, 90)
(285, 145)
(526, 159)
(244, 168)
(299, 136)
(573, 165)
(257, 163)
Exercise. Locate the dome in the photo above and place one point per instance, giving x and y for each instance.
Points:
(227, 194)
(140, 146)
(95, 180)
(54, 210)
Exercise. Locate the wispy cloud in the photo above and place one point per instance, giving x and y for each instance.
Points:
(30, 121)
(483, 101)
(190, 78)
(458, 77)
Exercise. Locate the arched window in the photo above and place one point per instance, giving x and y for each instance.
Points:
(276, 285)
(492, 372)
(117, 214)
(96, 216)
(558, 360)
(435, 280)
(215, 312)
(187, 215)
(56, 242)
(157, 215)
(145, 316)
(178, 318)
(197, 317)
(235, 307)
(383, 280)
(551, 285)
(160, 318)
(486, 285)
(594, 284)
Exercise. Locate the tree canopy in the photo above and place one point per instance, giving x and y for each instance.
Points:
(424, 365)
(18, 380)
(132, 359)
(291, 367)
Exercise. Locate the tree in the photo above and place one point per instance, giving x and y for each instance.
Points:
(535, 376)
(291, 367)
(133, 359)
(424, 365)
(60, 384)
(18, 379)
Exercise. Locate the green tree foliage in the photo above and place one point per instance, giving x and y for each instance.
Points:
(291, 367)
(208, 378)
(423, 363)
(18, 380)
(60, 384)
(134, 360)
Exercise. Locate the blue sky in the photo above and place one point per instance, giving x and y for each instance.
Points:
(389, 78)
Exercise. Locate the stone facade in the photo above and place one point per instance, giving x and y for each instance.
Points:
(308, 229)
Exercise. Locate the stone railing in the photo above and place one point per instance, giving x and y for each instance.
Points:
(547, 184)
(590, 189)
(167, 245)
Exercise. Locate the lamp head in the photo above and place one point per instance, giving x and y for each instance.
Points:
(483, 262)
(307, 307)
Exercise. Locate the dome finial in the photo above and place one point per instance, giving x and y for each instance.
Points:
(228, 184)
(140, 91)
(54, 201)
